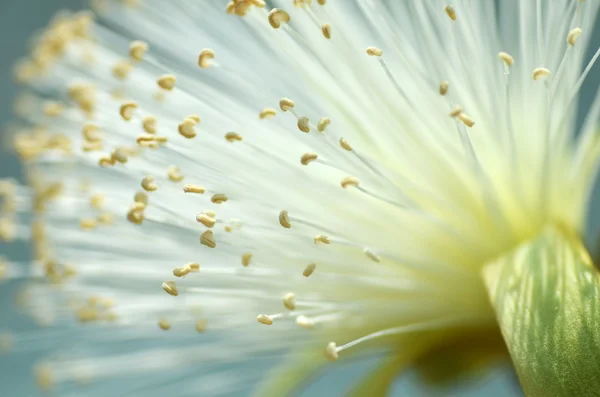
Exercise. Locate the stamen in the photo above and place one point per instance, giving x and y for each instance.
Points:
(246, 258)
(323, 124)
(349, 181)
(167, 82)
(308, 157)
(267, 113)
(233, 136)
(188, 188)
(264, 319)
(374, 51)
(289, 301)
(326, 30)
(174, 174)
(201, 326)
(170, 288)
(208, 239)
(305, 322)
(331, 352)
(371, 255)
(206, 220)
(148, 184)
(455, 111)
(286, 104)
(204, 58)
(540, 73)
(444, 85)
(141, 197)
(322, 239)
(468, 121)
(126, 110)
(194, 267)
(122, 69)
(149, 124)
(345, 145)
(219, 198)
(284, 219)
(186, 128)
(137, 49)
(506, 58)
(182, 271)
(309, 269)
(164, 324)
(303, 124)
(277, 16)
(450, 11)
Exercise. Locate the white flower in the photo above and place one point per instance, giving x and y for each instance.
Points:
(342, 171)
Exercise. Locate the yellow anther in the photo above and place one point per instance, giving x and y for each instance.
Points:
(127, 109)
(450, 11)
(92, 146)
(194, 117)
(308, 157)
(345, 145)
(161, 139)
(208, 239)
(205, 219)
(506, 58)
(137, 49)
(97, 200)
(122, 69)
(468, 121)
(326, 30)
(324, 122)
(119, 155)
(267, 113)
(194, 267)
(219, 198)
(264, 319)
(574, 35)
(186, 128)
(135, 216)
(164, 324)
(87, 314)
(204, 58)
(148, 184)
(106, 162)
(181, 271)
(303, 124)
(53, 109)
(144, 138)
(444, 85)
(88, 223)
(331, 352)
(89, 131)
(188, 188)
(246, 258)
(322, 239)
(201, 326)
(277, 16)
(455, 111)
(233, 136)
(167, 81)
(540, 73)
(284, 219)
(210, 213)
(106, 218)
(286, 104)
(141, 197)
(305, 322)
(149, 124)
(174, 174)
(371, 255)
(374, 51)
(321, 2)
(289, 301)
(44, 378)
(170, 288)
(349, 181)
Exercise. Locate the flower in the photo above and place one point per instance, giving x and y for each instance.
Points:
(313, 179)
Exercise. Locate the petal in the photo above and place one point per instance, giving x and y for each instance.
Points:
(546, 295)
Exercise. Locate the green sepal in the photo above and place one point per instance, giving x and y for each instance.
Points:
(546, 295)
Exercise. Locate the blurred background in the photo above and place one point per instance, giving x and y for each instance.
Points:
(21, 18)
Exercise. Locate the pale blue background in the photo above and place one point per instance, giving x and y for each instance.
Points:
(18, 19)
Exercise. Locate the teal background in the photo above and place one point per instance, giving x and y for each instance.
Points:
(18, 20)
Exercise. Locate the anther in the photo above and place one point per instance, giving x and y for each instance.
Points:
(289, 301)
(267, 113)
(308, 157)
(194, 267)
(321, 2)
(322, 239)
(444, 85)
(323, 124)
(305, 322)
(371, 255)
(455, 111)
(349, 181)
(181, 271)
(345, 145)
(126, 110)
(233, 136)
(122, 69)
(194, 117)
(174, 174)
(89, 132)
(303, 124)
(53, 109)
(246, 258)
(573, 36)
(164, 324)
(149, 124)
(264, 319)
(186, 128)
(170, 288)
(201, 326)
(540, 73)
(468, 121)
(96, 201)
(167, 82)
(204, 58)
(277, 16)
(374, 51)
(309, 269)
(205, 219)
(106, 162)
(286, 104)
(137, 49)
(284, 219)
(506, 58)
(193, 189)
(119, 155)
(219, 198)
(148, 184)
(208, 239)
(331, 352)
(450, 11)
(141, 197)
(326, 30)
(88, 223)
